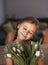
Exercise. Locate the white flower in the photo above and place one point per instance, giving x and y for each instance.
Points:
(36, 46)
(18, 50)
(9, 55)
(31, 42)
(37, 53)
(17, 54)
(14, 49)
(21, 48)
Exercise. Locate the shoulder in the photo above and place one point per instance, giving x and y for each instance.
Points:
(9, 45)
(6, 48)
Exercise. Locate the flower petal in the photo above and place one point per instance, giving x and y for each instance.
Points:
(37, 53)
(8, 55)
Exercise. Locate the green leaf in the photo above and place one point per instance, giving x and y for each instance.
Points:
(14, 56)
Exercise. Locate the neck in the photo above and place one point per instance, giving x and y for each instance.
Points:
(18, 41)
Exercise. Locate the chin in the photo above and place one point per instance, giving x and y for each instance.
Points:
(23, 38)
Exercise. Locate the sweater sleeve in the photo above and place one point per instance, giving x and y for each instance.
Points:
(6, 50)
(10, 26)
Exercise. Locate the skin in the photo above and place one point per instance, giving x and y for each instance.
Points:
(26, 31)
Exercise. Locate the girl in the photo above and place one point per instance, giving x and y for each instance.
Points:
(26, 30)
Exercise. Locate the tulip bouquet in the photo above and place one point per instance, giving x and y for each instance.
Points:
(25, 53)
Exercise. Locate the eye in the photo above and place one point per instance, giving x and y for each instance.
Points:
(30, 32)
(24, 28)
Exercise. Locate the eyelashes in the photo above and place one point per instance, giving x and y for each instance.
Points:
(24, 28)
(28, 31)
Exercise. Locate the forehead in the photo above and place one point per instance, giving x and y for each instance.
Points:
(26, 23)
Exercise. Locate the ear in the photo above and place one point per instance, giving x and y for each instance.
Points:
(18, 26)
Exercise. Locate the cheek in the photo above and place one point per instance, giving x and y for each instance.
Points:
(20, 29)
(29, 36)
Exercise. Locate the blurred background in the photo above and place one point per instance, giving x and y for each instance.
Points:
(21, 8)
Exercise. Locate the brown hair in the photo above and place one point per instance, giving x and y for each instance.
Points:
(32, 20)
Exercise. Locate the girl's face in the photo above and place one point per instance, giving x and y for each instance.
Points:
(26, 30)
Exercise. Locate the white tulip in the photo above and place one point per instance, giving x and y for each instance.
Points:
(31, 42)
(9, 55)
(36, 46)
(17, 54)
(18, 50)
(37, 53)
(21, 48)
(14, 49)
